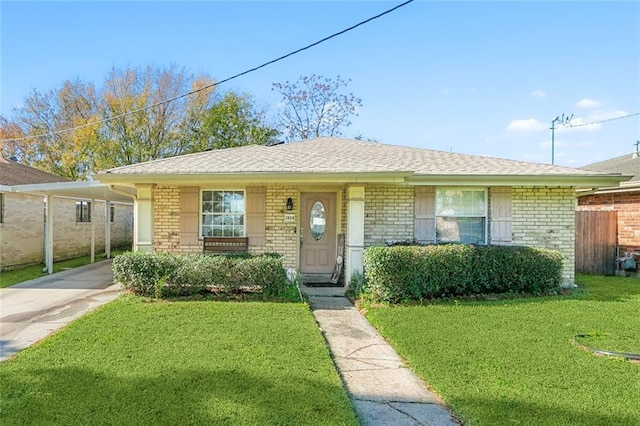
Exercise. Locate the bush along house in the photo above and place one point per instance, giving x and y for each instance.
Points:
(322, 201)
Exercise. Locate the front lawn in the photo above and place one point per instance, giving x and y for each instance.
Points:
(514, 361)
(136, 361)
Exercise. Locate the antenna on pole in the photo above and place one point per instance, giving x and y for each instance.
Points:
(563, 121)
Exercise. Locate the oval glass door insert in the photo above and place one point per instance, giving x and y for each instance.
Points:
(317, 220)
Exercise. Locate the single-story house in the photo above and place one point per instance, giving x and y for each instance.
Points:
(624, 199)
(23, 207)
(298, 198)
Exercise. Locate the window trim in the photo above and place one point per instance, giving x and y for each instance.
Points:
(485, 215)
(244, 209)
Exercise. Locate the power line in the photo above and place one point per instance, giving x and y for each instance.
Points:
(175, 98)
(603, 121)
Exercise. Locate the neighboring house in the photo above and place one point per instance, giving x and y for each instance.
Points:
(624, 199)
(296, 198)
(22, 219)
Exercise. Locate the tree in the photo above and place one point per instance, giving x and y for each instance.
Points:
(151, 132)
(233, 121)
(68, 154)
(314, 106)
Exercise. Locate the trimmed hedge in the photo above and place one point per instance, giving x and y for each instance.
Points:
(400, 273)
(171, 275)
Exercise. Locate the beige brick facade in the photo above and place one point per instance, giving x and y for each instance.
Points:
(541, 217)
(280, 236)
(545, 217)
(166, 220)
(388, 215)
(22, 230)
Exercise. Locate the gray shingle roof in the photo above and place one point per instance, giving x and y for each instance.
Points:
(333, 155)
(12, 173)
(625, 164)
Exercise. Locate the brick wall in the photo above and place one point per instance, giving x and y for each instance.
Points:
(166, 220)
(545, 217)
(22, 233)
(281, 236)
(388, 214)
(627, 204)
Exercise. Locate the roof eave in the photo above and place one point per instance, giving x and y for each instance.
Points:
(576, 181)
(251, 178)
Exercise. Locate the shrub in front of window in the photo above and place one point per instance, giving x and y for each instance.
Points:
(171, 275)
(400, 273)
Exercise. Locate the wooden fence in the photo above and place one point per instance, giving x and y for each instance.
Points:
(596, 235)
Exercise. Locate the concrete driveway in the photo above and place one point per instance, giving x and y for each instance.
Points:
(32, 310)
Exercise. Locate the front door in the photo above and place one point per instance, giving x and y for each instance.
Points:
(318, 232)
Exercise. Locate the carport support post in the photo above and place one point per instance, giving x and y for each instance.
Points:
(93, 230)
(143, 218)
(48, 242)
(355, 230)
(107, 229)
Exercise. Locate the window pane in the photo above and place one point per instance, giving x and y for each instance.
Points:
(468, 230)
(455, 202)
(222, 213)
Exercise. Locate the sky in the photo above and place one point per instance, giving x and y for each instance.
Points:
(484, 78)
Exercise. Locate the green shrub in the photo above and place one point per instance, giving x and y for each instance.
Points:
(171, 275)
(419, 272)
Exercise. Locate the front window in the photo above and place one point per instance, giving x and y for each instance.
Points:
(461, 215)
(222, 214)
(83, 211)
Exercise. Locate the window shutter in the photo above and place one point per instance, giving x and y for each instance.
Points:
(500, 216)
(425, 214)
(189, 208)
(255, 216)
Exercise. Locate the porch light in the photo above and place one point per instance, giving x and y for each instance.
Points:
(289, 204)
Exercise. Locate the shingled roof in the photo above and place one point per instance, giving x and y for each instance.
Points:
(333, 155)
(13, 173)
(625, 164)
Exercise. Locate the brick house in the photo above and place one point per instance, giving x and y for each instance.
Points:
(22, 219)
(297, 198)
(624, 199)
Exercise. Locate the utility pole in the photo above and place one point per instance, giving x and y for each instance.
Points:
(562, 120)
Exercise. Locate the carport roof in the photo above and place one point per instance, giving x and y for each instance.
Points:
(83, 190)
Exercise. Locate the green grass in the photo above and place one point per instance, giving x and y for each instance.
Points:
(514, 361)
(143, 362)
(15, 276)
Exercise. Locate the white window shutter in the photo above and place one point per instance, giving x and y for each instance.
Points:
(425, 214)
(500, 215)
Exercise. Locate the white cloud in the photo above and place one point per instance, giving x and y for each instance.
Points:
(606, 115)
(587, 103)
(526, 125)
(538, 94)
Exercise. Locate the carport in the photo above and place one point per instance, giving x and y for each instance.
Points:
(81, 191)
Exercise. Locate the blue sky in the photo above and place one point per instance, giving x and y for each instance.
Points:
(471, 77)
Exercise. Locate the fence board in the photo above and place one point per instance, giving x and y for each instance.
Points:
(596, 239)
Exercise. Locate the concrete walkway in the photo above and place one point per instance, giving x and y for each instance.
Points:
(383, 390)
(32, 310)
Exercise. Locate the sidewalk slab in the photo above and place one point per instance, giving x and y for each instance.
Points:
(383, 390)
